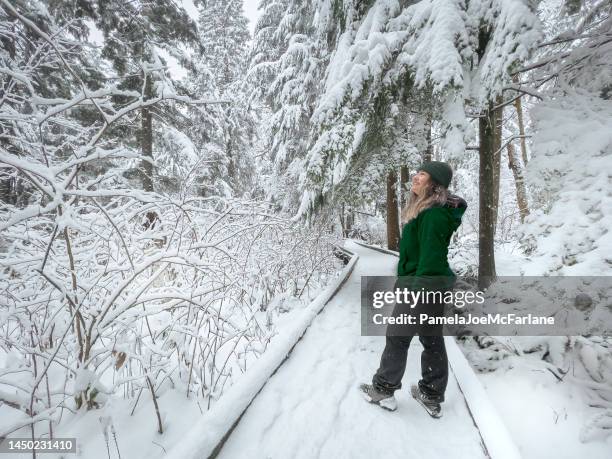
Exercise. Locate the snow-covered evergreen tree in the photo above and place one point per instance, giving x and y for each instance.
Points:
(428, 50)
(133, 41)
(25, 64)
(224, 133)
(224, 37)
(337, 74)
(289, 59)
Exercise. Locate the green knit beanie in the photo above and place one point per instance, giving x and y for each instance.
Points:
(440, 172)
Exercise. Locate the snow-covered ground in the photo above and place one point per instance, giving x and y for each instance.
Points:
(546, 417)
(311, 407)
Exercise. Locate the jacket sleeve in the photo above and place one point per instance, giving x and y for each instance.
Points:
(433, 244)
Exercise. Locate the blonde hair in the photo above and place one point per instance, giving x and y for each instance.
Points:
(433, 194)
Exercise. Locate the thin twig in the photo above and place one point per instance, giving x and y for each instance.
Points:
(160, 428)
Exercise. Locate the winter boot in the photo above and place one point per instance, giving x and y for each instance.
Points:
(431, 406)
(381, 399)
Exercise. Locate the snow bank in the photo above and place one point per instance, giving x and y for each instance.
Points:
(494, 433)
(571, 163)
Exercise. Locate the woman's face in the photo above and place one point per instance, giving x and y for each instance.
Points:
(420, 181)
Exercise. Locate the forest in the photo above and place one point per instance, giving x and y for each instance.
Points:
(177, 179)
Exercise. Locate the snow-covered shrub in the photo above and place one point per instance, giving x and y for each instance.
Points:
(108, 290)
(108, 303)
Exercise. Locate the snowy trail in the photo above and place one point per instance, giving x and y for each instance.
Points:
(311, 407)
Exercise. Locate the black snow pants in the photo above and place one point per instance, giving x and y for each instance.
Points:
(434, 362)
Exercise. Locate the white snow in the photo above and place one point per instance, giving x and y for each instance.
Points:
(544, 416)
(496, 437)
(571, 162)
(312, 408)
(547, 418)
(210, 428)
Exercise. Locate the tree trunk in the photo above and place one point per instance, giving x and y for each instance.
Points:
(7, 182)
(487, 204)
(404, 178)
(6, 188)
(229, 152)
(392, 214)
(517, 172)
(486, 178)
(146, 140)
(428, 155)
(347, 220)
(497, 133)
(521, 125)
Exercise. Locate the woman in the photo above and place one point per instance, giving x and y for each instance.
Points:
(431, 216)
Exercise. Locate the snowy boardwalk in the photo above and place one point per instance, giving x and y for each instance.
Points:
(311, 407)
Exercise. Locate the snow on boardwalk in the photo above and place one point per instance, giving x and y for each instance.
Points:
(311, 407)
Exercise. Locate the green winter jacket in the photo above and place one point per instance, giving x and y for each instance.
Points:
(424, 241)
